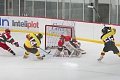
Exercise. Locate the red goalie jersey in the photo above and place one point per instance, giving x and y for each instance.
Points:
(64, 39)
(63, 46)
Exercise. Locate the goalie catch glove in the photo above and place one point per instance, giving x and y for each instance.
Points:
(16, 44)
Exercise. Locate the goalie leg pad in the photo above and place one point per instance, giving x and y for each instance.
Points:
(72, 49)
(82, 51)
(57, 53)
(78, 53)
(69, 47)
(66, 54)
(78, 44)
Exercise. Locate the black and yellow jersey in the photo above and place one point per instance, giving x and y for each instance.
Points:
(33, 41)
(108, 37)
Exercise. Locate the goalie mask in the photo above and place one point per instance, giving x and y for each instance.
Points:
(62, 36)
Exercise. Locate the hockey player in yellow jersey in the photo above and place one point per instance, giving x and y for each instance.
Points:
(31, 44)
(109, 43)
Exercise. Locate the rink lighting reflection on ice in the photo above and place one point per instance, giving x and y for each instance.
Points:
(70, 64)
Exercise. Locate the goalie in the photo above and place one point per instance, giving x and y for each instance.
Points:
(69, 46)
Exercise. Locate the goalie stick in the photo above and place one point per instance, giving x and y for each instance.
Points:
(92, 7)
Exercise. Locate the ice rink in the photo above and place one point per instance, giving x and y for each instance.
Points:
(58, 68)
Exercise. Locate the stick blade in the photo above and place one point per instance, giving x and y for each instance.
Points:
(49, 52)
(90, 6)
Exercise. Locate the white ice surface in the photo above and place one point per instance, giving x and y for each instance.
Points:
(51, 68)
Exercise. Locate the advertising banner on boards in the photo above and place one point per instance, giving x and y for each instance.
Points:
(21, 23)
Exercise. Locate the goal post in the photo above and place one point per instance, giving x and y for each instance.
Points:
(53, 32)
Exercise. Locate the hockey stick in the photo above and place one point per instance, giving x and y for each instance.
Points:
(21, 47)
(45, 51)
(39, 48)
(92, 7)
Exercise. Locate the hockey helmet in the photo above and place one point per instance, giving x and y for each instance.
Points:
(7, 31)
(105, 30)
(39, 36)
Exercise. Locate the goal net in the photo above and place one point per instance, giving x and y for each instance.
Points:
(53, 32)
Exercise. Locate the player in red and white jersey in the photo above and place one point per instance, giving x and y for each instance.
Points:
(6, 37)
(65, 40)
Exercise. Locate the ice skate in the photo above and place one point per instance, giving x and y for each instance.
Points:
(100, 59)
(11, 51)
(41, 58)
(25, 57)
(79, 55)
(14, 54)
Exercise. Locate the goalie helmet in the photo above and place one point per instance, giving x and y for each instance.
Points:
(62, 36)
(7, 31)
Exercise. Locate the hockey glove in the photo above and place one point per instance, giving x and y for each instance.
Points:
(35, 46)
(16, 44)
